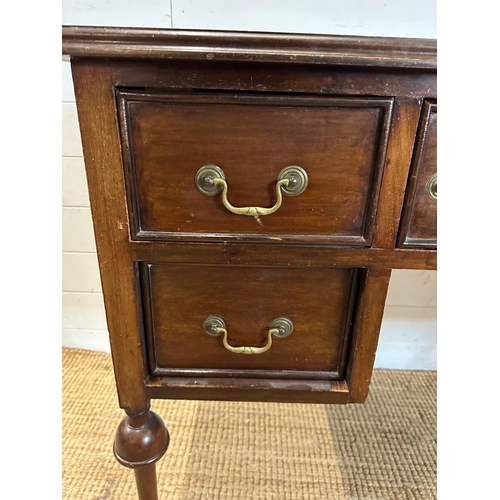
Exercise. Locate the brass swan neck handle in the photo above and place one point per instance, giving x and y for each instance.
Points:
(211, 180)
(432, 187)
(215, 325)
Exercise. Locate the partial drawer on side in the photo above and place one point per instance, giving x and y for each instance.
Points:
(419, 222)
(339, 142)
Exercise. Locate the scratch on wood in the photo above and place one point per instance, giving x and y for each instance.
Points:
(257, 218)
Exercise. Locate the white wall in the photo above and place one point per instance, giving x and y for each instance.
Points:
(408, 337)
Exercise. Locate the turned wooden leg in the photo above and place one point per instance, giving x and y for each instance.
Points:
(140, 441)
(145, 478)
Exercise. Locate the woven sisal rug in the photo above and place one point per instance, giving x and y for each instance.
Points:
(382, 450)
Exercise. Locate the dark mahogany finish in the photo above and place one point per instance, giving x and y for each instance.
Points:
(200, 45)
(357, 113)
(419, 226)
(340, 142)
(140, 441)
(248, 298)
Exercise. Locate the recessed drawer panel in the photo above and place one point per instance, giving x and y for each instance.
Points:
(337, 143)
(419, 221)
(247, 321)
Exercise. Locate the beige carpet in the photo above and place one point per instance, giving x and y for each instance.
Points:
(384, 449)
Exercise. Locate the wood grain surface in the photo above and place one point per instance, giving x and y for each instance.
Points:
(339, 142)
(419, 222)
(180, 297)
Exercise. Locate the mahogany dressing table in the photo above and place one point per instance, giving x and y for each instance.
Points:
(250, 195)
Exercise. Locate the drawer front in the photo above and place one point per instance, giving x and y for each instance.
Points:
(317, 303)
(419, 221)
(339, 142)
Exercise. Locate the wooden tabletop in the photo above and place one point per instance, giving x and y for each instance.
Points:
(151, 43)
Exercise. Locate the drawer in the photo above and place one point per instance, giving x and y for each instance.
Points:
(419, 220)
(198, 317)
(339, 143)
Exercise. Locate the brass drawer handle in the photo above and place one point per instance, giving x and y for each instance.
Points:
(211, 180)
(432, 187)
(215, 325)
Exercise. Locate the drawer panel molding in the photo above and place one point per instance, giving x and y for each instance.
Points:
(419, 222)
(270, 313)
(340, 143)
